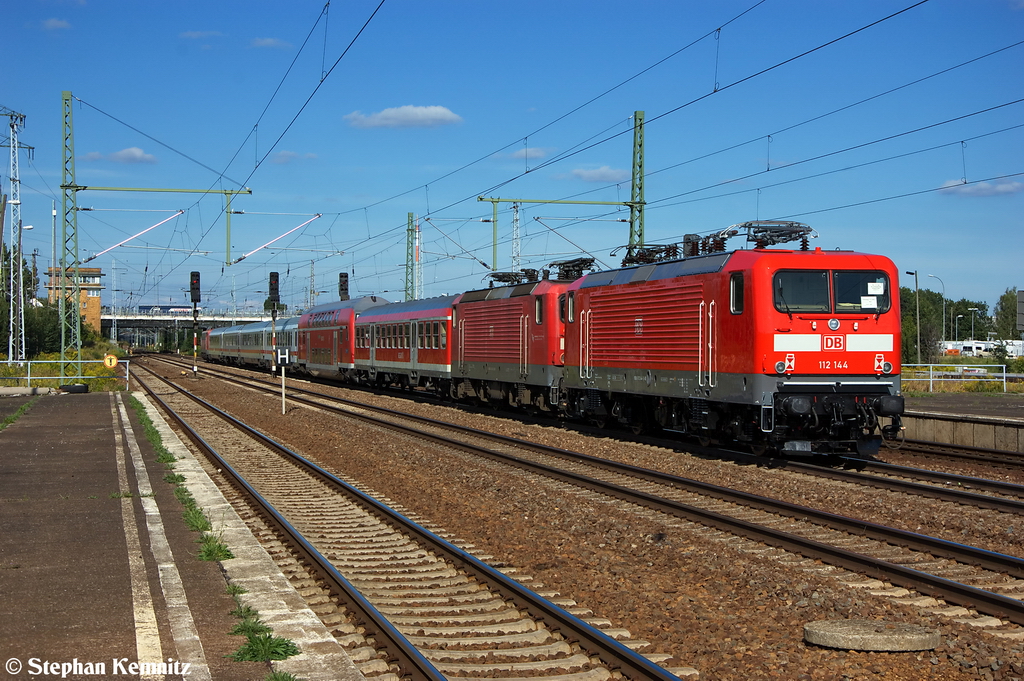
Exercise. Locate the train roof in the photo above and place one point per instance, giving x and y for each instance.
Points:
(512, 290)
(357, 304)
(698, 264)
(425, 307)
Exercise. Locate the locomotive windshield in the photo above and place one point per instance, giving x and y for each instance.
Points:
(861, 291)
(801, 291)
(852, 291)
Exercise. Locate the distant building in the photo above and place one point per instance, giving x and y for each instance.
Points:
(90, 281)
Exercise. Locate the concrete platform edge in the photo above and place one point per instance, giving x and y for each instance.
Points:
(269, 591)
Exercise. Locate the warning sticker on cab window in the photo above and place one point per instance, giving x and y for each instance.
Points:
(876, 288)
(869, 302)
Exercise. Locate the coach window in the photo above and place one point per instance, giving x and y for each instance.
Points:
(736, 293)
(433, 338)
(444, 336)
(538, 310)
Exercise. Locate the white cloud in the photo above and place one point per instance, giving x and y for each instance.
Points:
(602, 174)
(91, 156)
(283, 157)
(132, 155)
(407, 116)
(199, 35)
(269, 42)
(532, 152)
(55, 24)
(982, 188)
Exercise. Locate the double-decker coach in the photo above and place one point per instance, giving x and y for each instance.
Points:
(406, 344)
(326, 335)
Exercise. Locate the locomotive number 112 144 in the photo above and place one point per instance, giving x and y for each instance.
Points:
(829, 364)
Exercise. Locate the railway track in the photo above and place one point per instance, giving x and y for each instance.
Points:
(960, 489)
(429, 608)
(989, 582)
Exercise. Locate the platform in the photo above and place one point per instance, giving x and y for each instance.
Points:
(98, 568)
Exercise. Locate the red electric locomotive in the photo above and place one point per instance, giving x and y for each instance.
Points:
(796, 350)
(509, 344)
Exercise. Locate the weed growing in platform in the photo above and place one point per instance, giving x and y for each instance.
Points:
(18, 414)
(264, 648)
(152, 434)
(250, 627)
(122, 495)
(185, 497)
(281, 676)
(212, 548)
(174, 478)
(196, 520)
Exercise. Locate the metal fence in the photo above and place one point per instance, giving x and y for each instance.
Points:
(939, 373)
(27, 376)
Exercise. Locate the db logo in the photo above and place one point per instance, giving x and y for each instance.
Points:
(834, 342)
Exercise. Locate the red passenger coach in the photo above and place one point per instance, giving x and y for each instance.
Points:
(794, 349)
(509, 344)
(406, 344)
(326, 335)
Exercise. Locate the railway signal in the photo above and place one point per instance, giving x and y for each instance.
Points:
(193, 287)
(275, 290)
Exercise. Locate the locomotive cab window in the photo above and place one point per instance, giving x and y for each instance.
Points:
(736, 293)
(801, 291)
(861, 291)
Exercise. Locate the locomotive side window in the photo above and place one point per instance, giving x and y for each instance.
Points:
(538, 310)
(736, 292)
(801, 291)
(572, 306)
(861, 291)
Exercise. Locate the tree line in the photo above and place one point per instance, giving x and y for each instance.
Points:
(954, 321)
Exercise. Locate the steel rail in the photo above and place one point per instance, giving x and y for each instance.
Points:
(962, 594)
(414, 665)
(940, 547)
(958, 495)
(612, 653)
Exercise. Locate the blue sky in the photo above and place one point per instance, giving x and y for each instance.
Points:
(901, 139)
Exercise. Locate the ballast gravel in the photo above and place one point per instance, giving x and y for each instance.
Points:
(731, 614)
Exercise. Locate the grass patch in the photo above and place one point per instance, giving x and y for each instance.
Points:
(196, 520)
(152, 434)
(264, 648)
(185, 497)
(174, 478)
(245, 612)
(212, 548)
(122, 495)
(18, 414)
(281, 676)
(236, 590)
(250, 627)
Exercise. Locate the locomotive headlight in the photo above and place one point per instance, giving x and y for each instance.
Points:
(797, 406)
(780, 367)
(887, 368)
(833, 324)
